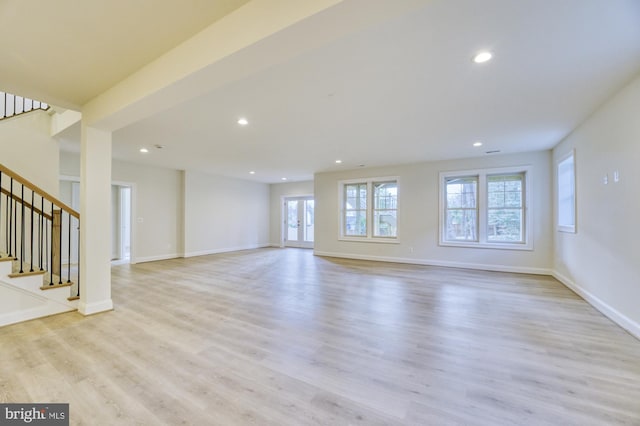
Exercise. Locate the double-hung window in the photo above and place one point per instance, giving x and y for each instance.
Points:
(485, 208)
(461, 206)
(355, 209)
(369, 209)
(505, 209)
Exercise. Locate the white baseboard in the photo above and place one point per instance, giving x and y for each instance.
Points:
(43, 306)
(95, 307)
(46, 310)
(155, 258)
(445, 263)
(622, 320)
(225, 250)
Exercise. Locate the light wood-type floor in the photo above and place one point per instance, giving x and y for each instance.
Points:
(280, 337)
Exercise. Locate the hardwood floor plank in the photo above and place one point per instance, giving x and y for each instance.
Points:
(281, 337)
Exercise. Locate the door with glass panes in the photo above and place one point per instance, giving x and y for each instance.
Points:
(299, 222)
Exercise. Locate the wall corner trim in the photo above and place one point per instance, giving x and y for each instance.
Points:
(620, 319)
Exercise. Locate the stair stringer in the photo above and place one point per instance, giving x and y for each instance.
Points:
(21, 298)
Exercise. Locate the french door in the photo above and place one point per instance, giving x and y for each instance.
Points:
(298, 223)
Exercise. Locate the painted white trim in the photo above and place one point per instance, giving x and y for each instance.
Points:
(614, 315)
(226, 250)
(34, 313)
(155, 258)
(445, 263)
(370, 210)
(284, 220)
(565, 228)
(47, 308)
(482, 208)
(95, 307)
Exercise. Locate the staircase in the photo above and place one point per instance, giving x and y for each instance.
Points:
(39, 251)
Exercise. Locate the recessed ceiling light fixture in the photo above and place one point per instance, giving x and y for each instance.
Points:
(144, 150)
(477, 144)
(338, 161)
(243, 121)
(482, 57)
(252, 172)
(283, 178)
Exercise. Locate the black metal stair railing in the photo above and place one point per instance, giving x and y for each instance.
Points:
(12, 105)
(37, 230)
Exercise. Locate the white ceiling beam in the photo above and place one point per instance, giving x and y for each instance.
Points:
(252, 38)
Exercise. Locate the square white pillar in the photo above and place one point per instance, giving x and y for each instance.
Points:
(95, 221)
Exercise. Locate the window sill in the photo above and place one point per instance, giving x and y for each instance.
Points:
(370, 240)
(498, 246)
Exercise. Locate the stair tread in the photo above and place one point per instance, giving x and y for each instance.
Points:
(26, 274)
(55, 285)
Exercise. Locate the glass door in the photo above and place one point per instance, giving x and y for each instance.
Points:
(299, 222)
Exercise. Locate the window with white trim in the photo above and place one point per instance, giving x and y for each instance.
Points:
(385, 209)
(369, 209)
(355, 209)
(485, 208)
(567, 194)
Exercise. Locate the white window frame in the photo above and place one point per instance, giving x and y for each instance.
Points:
(482, 204)
(570, 226)
(370, 238)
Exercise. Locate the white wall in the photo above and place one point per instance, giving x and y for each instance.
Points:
(601, 261)
(223, 214)
(157, 203)
(27, 149)
(418, 217)
(277, 192)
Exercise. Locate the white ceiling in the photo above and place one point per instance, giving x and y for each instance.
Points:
(70, 51)
(405, 91)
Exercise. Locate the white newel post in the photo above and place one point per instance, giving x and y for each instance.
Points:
(95, 221)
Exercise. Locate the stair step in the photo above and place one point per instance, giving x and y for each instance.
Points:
(7, 259)
(26, 274)
(72, 298)
(51, 287)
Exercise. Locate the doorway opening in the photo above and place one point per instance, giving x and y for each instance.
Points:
(121, 224)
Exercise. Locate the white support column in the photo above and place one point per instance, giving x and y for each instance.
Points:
(95, 221)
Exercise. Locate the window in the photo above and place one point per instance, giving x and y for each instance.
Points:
(567, 194)
(385, 209)
(461, 223)
(505, 210)
(485, 208)
(369, 209)
(355, 209)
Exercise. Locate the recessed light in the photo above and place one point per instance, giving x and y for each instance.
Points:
(243, 121)
(482, 57)
(338, 161)
(478, 143)
(252, 172)
(283, 178)
(144, 150)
